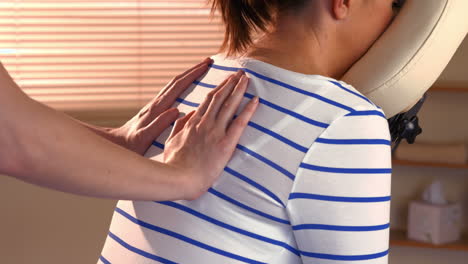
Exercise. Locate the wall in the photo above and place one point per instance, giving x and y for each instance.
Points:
(456, 72)
(47, 227)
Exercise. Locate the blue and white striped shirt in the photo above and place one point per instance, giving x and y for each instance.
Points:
(309, 182)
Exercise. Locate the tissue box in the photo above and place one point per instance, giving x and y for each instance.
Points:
(435, 224)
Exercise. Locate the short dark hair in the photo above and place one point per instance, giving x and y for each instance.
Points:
(242, 18)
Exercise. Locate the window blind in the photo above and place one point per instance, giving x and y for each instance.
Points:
(103, 54)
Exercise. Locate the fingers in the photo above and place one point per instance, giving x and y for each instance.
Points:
(182, 81)
(210, 107)
(179, 86)
(173, 90)
(149, 133)
(179, 124)
(220, 96)
(231, 105)
(209, 97)
(237, 126)
(163, 121)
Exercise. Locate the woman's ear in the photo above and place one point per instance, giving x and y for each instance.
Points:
(340, 9)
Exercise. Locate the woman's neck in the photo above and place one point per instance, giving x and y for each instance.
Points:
(298, 47)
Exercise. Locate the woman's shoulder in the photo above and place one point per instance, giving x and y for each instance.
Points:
(333, 97)
(357, 100)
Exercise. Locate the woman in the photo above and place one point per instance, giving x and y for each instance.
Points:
(310, 179)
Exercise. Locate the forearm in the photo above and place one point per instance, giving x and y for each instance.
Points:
(105, 132)
(42, 146)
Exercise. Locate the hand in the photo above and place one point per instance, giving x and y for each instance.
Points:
(140, 131)
(202, 142)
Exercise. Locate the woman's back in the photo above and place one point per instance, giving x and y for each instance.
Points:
(310, 178)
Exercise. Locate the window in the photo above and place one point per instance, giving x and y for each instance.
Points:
(103, 54)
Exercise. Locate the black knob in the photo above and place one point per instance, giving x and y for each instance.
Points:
(411, 130)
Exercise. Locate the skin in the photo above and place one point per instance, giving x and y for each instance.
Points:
(42, 146)
(325, 37)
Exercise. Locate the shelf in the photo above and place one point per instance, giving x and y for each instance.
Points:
(429, 164)
(449, 89)
(398, 238)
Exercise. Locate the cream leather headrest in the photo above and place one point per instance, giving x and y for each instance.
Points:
(409, 57)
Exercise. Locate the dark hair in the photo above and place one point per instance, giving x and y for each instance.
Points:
(242, 18)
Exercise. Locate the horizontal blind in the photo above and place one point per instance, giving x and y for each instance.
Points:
(103, 54)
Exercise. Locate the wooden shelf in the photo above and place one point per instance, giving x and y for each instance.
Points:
(398, 238)
(449, 89)
(429, 164)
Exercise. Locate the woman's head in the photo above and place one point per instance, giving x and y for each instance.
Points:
(350, 26)
(243, 18)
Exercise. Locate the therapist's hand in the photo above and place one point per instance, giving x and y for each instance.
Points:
(202, 142)
(140, 131)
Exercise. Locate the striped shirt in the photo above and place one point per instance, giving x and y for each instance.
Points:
(309, 182)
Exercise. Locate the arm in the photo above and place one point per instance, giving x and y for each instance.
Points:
(44, 147)
(340, 202)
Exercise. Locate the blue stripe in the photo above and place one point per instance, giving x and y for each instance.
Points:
(285, 85)
(346, 170)
(225, 68)
(254, 184)
(267, 161)
(279, 137)
(139, 251)
(338, 198)
(206, 85)
(185, 239)
(157, 144)
(345, 258)
(230, 227)
(185, 102)
(250, 209)
(353, 141)
(367, 113)
(276, 107)
(352, 92)
(288, 112)
(104, 260)
(341, 228)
